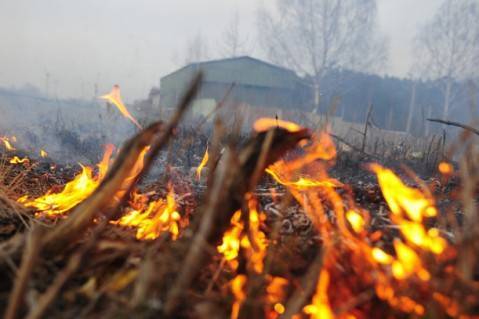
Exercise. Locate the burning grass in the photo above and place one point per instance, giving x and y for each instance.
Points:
(264, 232)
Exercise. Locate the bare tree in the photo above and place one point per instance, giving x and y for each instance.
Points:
(315, 36)
(196, 49)
(233, 43)
(447, 47)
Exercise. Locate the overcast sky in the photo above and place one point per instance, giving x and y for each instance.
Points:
(135, 42)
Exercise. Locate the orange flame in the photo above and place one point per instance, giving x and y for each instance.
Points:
(202, 164)
(74, 192)
(275, 296)
(445, 168)
(238, 289)
(114, 97)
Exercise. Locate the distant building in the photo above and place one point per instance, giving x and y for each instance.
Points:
(257, 84)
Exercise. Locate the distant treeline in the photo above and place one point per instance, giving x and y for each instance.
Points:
(392, 98)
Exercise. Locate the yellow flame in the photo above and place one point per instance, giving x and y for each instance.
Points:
(43, 153)
(356, 221)
(231, 242)
(407, 263)
(320, 308)
(6, 142)
(74, 192)
(114, 97)
(158, 217)
(401, 198)
(381, 257)
(254, 243)
(202, 164)
(264, 124)
(17, 160)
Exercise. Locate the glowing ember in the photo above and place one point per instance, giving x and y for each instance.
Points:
(445, 168)
(114, 97)
(158, 217)
(276, 296)
(74, 192)
(204, 161)
(264, 124)
(17, 160)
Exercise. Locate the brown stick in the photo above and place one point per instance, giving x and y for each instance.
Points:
(457, 124)
(73, 264)
(30, 257)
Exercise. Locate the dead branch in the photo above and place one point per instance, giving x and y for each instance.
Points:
(29, 259)
(456, 124)
(71, 267)
(357, 149)
(231, 183)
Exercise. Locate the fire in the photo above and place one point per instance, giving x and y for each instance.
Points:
(43, 153)
(401, 198)
(238, 289)
(254, 243)
(17, 160)
(6, 142)
(355, 220)
(410, 206)
(276, 296)
(114, 97)
(231, 243)
(264, 124)
(320, 308)
(158, 217)
(445, 168)
(204, 161)
(55, 204)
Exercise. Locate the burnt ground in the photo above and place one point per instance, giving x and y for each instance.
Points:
(297, 236)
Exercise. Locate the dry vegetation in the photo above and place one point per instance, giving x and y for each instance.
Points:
(308, 239)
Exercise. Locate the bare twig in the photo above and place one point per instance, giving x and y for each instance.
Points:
(29, 259)
(456, 124)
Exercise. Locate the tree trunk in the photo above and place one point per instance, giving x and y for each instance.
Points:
(316, 93)
(447, 98)
(429, 113)
(412, 105)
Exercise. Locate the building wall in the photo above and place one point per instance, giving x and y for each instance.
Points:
(256, 83)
